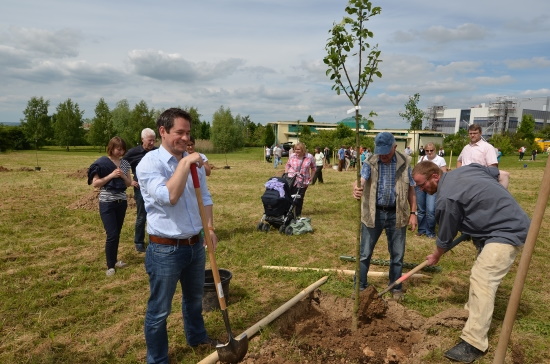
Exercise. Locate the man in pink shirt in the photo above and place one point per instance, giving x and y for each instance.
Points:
(478, 151)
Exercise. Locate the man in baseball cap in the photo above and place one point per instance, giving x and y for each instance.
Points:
(387, 194)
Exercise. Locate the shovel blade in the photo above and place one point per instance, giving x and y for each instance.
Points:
(234, 351)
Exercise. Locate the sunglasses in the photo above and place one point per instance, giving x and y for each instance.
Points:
(429, 150)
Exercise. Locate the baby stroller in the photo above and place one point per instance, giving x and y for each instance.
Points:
(278, 206)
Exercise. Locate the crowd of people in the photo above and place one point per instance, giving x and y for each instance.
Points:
(394, 194)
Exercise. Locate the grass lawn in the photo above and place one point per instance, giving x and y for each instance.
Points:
(57, 305)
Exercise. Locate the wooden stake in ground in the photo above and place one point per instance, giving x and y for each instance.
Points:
(523, 267)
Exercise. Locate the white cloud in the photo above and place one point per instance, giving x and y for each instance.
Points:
(173, 67)
(535, 62)
(60, 43)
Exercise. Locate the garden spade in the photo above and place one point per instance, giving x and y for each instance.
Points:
(235, 350)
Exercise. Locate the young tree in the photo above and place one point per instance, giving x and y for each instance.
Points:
(37, 124)
(68, 124)
(269, 136)
(121, 117)
(224, 131)
(310, 119)
(196, 124)
(101, 128)
(140, 118)
(349, 41)
(526, 129)
(205, 130)
(414, 115)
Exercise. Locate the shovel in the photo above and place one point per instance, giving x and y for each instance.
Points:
(235, 350)
(406, 276)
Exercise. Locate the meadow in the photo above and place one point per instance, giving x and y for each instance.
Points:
(57, 305)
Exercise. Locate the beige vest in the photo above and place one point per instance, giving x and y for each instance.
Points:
(368, 206)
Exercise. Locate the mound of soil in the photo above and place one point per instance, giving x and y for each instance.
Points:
(318, 330)
(79, 174)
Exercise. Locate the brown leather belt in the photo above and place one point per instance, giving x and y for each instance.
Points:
(167, 241)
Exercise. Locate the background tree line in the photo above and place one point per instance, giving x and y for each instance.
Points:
(66, 127)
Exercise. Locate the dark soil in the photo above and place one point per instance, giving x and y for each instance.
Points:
(319, 330)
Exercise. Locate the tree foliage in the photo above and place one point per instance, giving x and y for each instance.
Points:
(68, 124)
(225, 132)
(101, 128)
(13, 138)
(455, 142)
(140, 118)
(413, 114)
(269, 138)
(310, 119)
(37, 124)
(526, 129)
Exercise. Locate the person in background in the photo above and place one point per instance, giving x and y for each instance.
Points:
(301, 165)
(111, 174)
(534, 154)
(387, 196)
(319, 158)
(341, 158)
(522, 150)
(176, 252)
(471, 200)
(133, 157)
(478, 150)
(441, 152)
(267, 154)
(499, 155)
(481, 152)
(408, 151)
(277, 155)
(425, 201)
(191, 150)
(326, 153)
(421, 151)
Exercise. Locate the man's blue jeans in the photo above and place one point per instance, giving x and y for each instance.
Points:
(426, 212)
(141, 217)
(385, 220)
(167, 265)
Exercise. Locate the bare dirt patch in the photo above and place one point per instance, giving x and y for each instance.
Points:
(318, 330)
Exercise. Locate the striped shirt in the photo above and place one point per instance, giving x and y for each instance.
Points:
(110, 196)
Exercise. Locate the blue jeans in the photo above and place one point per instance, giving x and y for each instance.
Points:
(112, 215)
(167, 265)
(426, 212)
(141, 217)
(396, 246)
(276, 161)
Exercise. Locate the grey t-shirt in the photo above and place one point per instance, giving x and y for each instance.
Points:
(470, 200)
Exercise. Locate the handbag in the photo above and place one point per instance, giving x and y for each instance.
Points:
(289, 180)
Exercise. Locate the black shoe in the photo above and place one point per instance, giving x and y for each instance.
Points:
(464, 353)
(207, 342)
(140, 248)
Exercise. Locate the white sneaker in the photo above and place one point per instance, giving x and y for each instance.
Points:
(120, 264)
(110, 272)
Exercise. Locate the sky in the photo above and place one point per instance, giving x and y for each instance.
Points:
(264, 58)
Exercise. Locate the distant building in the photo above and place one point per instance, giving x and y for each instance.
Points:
(504, 114)
(287, 131)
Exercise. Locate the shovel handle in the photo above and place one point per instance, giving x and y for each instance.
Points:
(404, 277)
(209, 244)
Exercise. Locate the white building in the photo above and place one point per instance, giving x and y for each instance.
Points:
(504, 114)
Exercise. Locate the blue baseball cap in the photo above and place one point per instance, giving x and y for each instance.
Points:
(384, 143)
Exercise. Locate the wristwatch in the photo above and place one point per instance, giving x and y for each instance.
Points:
(414, 213)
